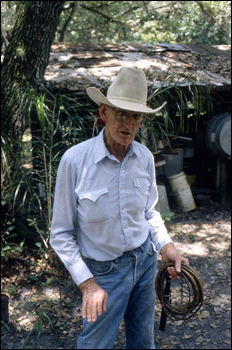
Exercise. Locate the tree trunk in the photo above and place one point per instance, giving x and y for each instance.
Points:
(27, 55)
(4, 308)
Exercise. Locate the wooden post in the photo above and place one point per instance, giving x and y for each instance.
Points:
(222, 180)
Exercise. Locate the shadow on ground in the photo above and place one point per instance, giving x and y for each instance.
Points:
(45, 312)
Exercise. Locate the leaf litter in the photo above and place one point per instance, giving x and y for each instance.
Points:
(50, 305)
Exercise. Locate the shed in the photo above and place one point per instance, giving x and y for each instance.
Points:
(74, 67)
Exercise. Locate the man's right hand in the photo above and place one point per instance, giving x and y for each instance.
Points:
(93, 301)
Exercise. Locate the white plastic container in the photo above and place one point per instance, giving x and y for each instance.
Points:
(182, 192)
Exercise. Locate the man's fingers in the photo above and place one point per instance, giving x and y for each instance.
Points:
(94, 305)
(101, 305)
(178, 266)
(105, 303)
(173, 273)
(84, 312)
(93, 309)
(89, 313)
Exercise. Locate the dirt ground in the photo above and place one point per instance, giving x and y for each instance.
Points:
(45, 305)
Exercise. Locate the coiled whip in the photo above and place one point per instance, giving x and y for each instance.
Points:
(195, 294)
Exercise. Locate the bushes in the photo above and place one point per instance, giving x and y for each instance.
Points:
(27, 182)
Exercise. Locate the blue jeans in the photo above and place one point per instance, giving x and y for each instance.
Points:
(130, 283)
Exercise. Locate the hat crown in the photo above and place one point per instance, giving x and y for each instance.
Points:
(130, 84)
(128, 92)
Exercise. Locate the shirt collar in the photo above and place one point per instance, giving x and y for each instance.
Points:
(101, 151)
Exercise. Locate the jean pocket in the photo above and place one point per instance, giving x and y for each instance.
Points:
(151, 249)
(142, 186)
(99, 268)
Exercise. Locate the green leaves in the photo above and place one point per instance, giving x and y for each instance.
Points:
(57, 124)
(41, 111)
(196, 22)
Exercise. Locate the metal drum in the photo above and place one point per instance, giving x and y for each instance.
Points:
(218, 135)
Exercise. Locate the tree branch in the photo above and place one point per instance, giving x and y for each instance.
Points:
(127, 11)
(203, 9)
(73, 6)
(145, 6)
(109, 18)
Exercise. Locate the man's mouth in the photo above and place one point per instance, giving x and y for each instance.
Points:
(125, 133)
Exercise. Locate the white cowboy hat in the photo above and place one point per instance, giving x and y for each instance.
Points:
(128, 91)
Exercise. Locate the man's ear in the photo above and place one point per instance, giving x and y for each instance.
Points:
(102, 112)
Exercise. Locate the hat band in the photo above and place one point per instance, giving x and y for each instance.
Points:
(126, 99)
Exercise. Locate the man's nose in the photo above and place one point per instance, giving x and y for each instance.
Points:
(129, 121)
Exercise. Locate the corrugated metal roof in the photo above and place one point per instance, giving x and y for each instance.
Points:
(77, 66)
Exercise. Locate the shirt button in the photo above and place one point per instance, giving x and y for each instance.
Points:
(123, 208)
(94, 197)
(125, 227)
(121, 188)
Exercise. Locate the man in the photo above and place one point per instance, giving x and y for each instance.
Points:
(106, 191)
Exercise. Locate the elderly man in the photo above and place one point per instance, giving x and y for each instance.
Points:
(106, 191)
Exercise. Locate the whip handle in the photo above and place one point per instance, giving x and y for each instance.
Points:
(163, 317)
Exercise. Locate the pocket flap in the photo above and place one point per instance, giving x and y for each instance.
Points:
(93, 195)
(141, 183)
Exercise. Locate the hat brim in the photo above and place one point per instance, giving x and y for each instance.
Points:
(129, 105)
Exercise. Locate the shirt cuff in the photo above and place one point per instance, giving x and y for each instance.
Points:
(80, 272)
(162, 242)
(159, 234)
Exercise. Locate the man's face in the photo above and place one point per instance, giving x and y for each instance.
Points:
(118, 130)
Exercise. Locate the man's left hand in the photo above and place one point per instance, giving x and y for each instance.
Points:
(169, 253)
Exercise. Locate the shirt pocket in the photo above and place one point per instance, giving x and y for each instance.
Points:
(142, 186)
(92, 205)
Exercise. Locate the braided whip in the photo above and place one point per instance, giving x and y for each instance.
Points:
(162, 287)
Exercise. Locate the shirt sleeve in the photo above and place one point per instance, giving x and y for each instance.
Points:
(159, 234)
(64, 223)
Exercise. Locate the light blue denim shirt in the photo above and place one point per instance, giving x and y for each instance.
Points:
(110, 205)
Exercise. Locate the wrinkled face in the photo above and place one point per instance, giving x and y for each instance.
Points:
(121, 126)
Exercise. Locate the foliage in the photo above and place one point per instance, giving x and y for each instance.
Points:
(62, 121)
(10, 188)
(196, 22)
(187, 101)
(199, 22)
(42, 320)
(167, 216)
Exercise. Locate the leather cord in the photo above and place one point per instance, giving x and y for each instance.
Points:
(194, 288)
